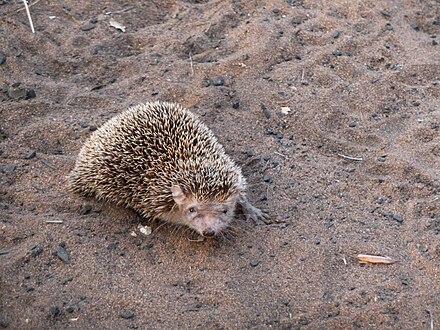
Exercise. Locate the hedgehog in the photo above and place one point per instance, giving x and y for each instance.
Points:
(160, 160)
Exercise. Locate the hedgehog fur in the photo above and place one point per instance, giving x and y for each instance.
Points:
(161, 160)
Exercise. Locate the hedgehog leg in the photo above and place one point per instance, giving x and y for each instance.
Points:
(250, 211)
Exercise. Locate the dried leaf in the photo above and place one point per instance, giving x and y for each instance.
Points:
(285, 110)
(117, 25)
(366, 258)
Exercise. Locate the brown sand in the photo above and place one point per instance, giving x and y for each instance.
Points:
(361, 79)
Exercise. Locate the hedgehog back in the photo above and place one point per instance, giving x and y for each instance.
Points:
(135, 158)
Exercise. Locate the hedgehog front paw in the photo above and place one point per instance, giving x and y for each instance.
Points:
(251, 212)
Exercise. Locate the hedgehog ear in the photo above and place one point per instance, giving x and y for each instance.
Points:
(178, 195)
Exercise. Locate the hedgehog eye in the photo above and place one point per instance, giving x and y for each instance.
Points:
(225, 211)
(192, 209)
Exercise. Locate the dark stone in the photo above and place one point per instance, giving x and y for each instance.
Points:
(92, 128)
(54, 311)
(218, 81)
(266, 112)
(249, 153)
(254, 262)
(17, 93)
(62, 253)
(398, 218)
(206, 82)
(35, 250)
(414, 26)
(4, 323)
(336, 34)
(267, 178)
(86, 209)
(127, 314)
(31, 154)
(389, 27)
(87, 27)
(93, 20)
(352, 124)
(337, 52)
(2, 58)
(8, 168)
(30, 94)
(236, 104)
(434, 42)
(3, 134)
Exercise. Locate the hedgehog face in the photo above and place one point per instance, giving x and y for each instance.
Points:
(207, 218)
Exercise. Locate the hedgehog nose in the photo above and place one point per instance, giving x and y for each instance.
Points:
(208, 233)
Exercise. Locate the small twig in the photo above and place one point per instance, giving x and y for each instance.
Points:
(280, 154)
(3, 252)
(29, 15)
(431, 320)
(123, 10)
(345, 261)
(45, 162)
(350, 158)
(191, 63)
(54, 221)
(368, 258)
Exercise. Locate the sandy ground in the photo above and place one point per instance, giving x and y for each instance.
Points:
(361, 79)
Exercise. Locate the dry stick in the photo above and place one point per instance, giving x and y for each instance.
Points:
(191, 63)
(29, 16)
(280, 154)
(54, 221)
(45, 162)
(350, 158)
(431, 320)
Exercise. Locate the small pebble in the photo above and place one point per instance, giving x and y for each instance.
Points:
(254, 262)
(218, 81)
(398, 218)
(9, 168)
(434, 42)
(127, 314)
(54, 311)
(389, 27)
(336, 34)
(92, 128)
(62, 253)
(249, 153)
(385, 13)
(94, 20)
(206, 82)
(266, 112)
(352, 124)
(2, 58)
(87, 27)
(3, 134)
(4, 323)
(236, 104)
(35, 250)
(337, 52)
(414, 26)
(86, 209)
(267, 178)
